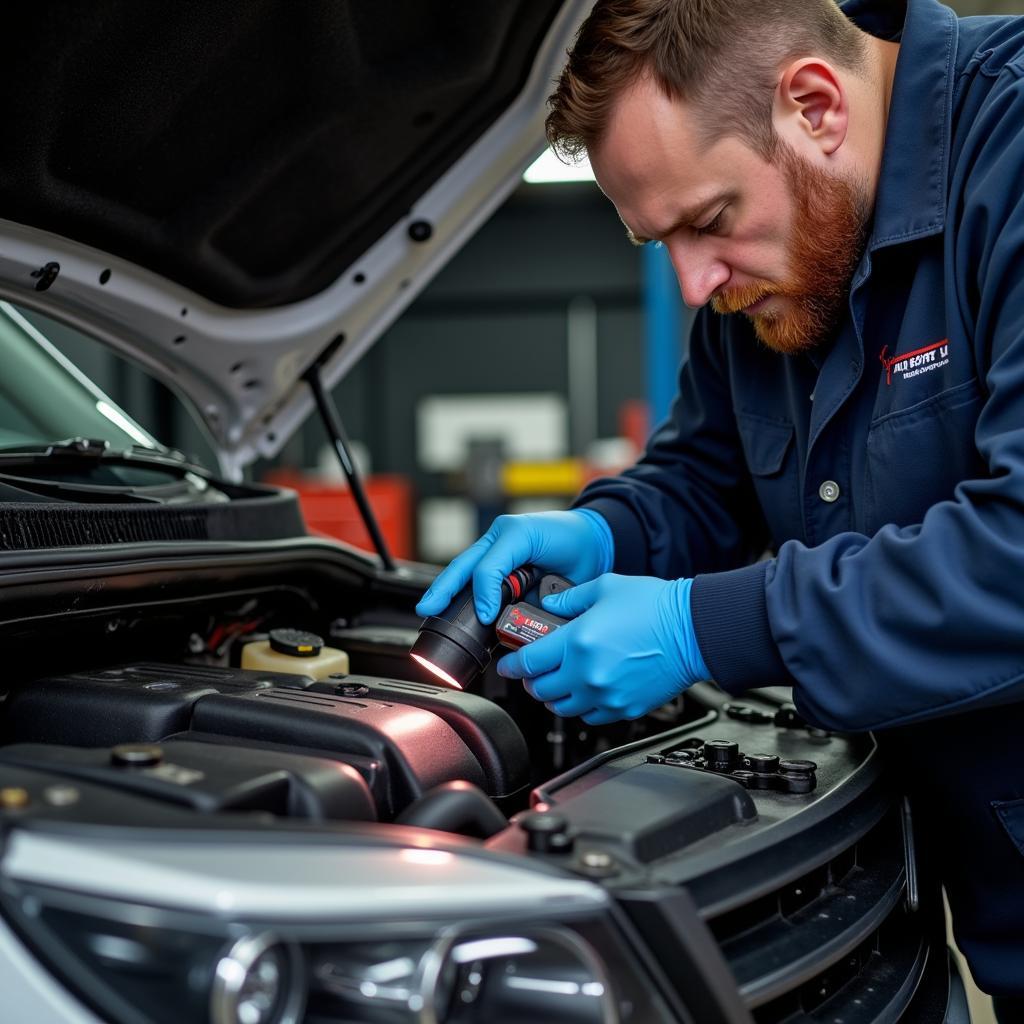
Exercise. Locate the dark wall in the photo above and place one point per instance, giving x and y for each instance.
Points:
(495, 321)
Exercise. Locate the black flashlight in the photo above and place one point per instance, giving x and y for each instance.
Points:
(455, 645)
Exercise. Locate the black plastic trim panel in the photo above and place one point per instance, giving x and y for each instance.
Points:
(262, 514)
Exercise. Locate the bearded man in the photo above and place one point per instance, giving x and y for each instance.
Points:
(842, 193)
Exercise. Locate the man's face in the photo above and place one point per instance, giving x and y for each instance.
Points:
(776, 241)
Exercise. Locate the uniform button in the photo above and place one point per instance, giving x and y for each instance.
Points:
(829, 491)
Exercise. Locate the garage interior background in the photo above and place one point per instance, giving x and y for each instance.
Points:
(537, 357)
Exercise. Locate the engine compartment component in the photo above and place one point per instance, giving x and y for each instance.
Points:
(490, 733)
(211, 779)
(294, 651)
(458, 807)
(139, 703)
(753, 771)
(401, 738)
(400, 750)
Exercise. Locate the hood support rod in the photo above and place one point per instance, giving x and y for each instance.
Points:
(336, 432)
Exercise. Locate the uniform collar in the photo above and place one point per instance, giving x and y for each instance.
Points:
(911, 197)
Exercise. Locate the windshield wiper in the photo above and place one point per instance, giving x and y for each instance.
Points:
(81, 451)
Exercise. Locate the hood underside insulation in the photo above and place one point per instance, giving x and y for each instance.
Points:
(249, 151)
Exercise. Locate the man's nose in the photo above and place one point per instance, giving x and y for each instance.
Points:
(700, 275)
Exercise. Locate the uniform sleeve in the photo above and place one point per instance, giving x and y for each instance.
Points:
(688, 505)
(926, 619)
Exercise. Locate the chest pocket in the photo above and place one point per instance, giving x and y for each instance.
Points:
(916, 457)
(767, 450)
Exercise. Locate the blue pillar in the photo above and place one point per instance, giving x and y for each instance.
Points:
(665, 322)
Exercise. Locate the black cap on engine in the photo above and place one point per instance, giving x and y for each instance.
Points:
(296, 642)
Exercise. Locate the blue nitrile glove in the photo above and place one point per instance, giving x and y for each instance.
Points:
(631, 649)
(576, 544)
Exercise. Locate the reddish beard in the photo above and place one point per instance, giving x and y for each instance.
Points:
(830, 217)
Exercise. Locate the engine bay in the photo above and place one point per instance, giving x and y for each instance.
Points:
(737, 841)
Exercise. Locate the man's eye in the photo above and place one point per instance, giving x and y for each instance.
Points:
(715, 225)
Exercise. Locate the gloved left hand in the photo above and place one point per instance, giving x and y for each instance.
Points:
(631, 649)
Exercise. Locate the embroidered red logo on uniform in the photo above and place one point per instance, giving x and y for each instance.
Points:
(913, 364)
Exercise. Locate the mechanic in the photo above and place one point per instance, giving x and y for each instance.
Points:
(842, 193)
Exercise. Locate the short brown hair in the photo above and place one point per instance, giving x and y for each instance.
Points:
(722, 55)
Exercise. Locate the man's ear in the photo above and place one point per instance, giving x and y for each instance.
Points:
(811, 106)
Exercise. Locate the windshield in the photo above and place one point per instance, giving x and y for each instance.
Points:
(44, 398)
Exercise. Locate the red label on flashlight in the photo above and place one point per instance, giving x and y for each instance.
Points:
(521, 624)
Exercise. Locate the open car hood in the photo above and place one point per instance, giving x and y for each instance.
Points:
(229, 194)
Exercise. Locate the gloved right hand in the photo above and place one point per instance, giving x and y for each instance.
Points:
(576, 544)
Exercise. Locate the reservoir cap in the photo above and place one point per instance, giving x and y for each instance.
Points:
(296, 642)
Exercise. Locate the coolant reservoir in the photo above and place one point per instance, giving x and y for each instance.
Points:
(295, 651)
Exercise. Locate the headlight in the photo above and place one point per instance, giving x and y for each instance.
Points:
(150, 932)
(125, 960)
(259, 980)
(536, 974)
(542, 974)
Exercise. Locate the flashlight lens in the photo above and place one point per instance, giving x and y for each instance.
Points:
(439, 672)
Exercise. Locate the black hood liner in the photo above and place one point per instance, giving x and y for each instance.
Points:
(252, 150)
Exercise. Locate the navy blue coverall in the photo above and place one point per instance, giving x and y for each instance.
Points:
(886, 473)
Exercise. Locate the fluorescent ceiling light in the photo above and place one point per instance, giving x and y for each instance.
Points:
(547, 168)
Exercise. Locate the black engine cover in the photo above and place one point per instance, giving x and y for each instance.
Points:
(402, 738)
